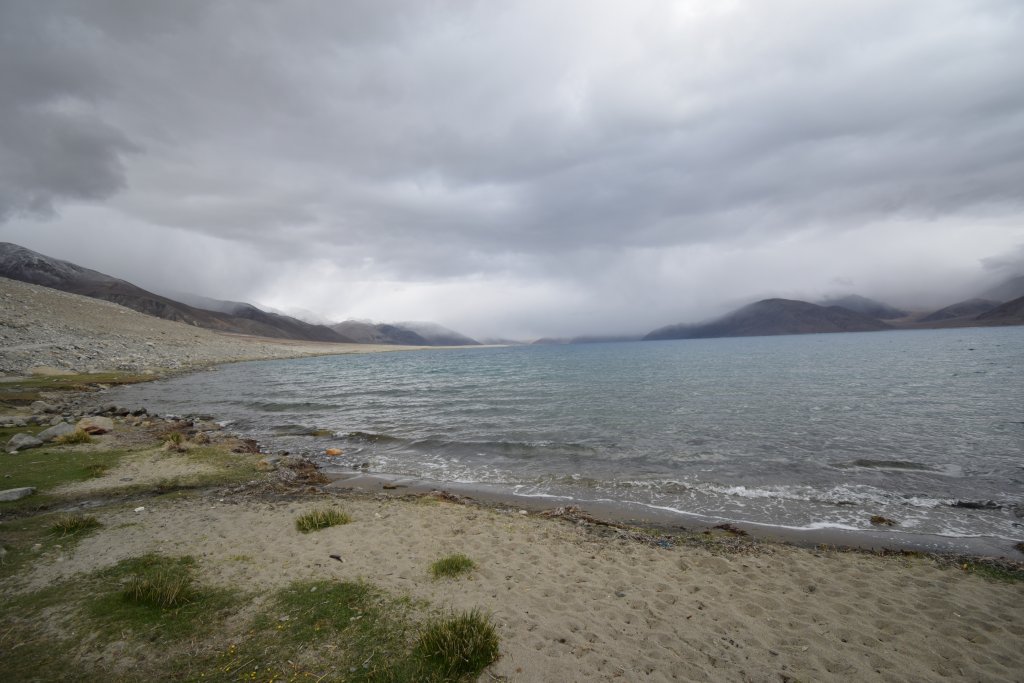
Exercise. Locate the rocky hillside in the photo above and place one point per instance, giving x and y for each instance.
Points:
(44, 327)
(19, 263)
(1010, 313)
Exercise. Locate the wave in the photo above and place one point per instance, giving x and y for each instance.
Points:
(885, 465)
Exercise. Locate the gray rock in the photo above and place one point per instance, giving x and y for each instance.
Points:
(55, 432)
(17, 494)
(42, 407)
(21, 441)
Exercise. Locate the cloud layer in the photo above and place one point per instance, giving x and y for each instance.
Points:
(526, 168)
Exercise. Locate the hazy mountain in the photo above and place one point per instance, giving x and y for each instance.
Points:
(1009, 313)
(438, 335)
(774, 317)
(605, 339)
(1007, 291)
(19, 263)
(408, 334)
(865, 306)
(961, 310)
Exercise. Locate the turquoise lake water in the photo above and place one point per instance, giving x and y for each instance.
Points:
(811, 431)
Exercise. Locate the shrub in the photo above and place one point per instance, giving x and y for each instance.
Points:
(452, 566)
(77, 436)
(321, 519)
(69, 525)
(160, 589)
(458, 647)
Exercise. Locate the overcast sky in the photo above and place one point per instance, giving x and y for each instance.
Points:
(519, 168)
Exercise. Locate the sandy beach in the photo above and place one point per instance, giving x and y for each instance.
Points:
(578, 601)
(572, 599)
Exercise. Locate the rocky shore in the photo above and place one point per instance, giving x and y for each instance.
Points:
(46, 330)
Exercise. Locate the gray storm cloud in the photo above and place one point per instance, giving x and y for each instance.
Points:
(521, 168)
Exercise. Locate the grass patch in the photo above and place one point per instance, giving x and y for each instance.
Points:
(77, 436)
(321, 519)
(74, 525)
(157, 596)
(995, 571)
(452, 566)
(48, 468)
(353, 631)
(27, 389)
(162, 589)
(457, 648)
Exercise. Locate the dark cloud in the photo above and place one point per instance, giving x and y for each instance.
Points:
(571, 159)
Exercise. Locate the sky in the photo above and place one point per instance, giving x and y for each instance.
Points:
(519, 169)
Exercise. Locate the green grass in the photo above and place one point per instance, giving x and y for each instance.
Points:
(27, 389)
(457, 647)
(157, 596)
(48, 468)
(321, 519)
(74, 525)
(310, 630)
(994, 571)
(353, 631)
(452, 566)
(7, 432)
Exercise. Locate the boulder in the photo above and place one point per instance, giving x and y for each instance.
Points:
(268, 464)
(333, 452)
(42, 407)
(16, 494)
(22, 441)
(96, 425)
(55, 432)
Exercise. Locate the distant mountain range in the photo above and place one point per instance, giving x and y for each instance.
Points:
(772, 317)
(850, 314)
(19, 263)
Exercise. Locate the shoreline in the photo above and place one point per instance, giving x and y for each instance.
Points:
(641, 516)
(571, 597)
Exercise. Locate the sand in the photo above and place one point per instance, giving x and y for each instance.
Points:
(580, 603)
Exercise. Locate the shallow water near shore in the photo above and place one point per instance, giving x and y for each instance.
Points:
(797, 432)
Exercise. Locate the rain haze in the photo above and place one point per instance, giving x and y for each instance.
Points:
(519, 169)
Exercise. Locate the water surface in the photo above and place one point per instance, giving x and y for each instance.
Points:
(803, 431)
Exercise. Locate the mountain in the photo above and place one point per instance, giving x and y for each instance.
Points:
(1009, 313)
(438, 335)
(1007, 291)
(960, 311)
(865, 306)
(19, 263)
(408, 334)
(773, 317)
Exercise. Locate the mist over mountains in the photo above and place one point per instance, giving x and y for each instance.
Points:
(19, 263)
(999, 305)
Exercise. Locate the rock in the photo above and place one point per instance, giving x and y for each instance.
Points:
(42, 407)
(138, 412)
(55, 432)
(22, 441)
(96, 425)
(977, 505)
(333, 451)
(879, 520)
(17, 494)
(268, 464)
